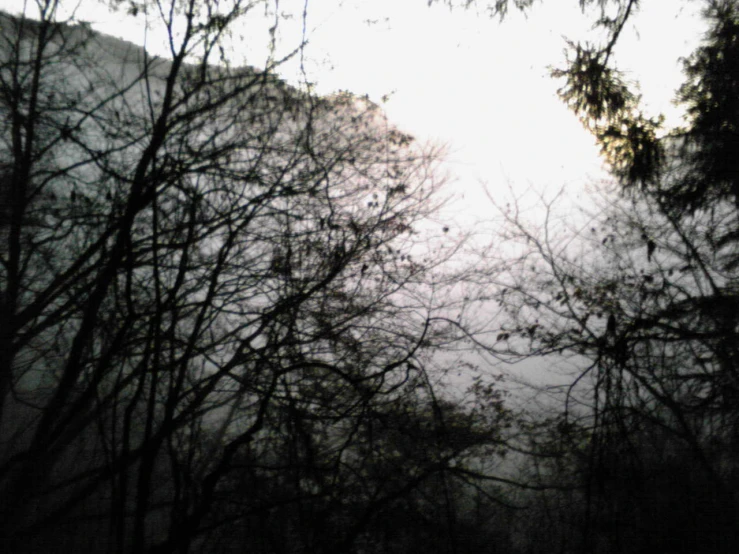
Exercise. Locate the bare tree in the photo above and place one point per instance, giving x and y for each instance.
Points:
(211, 278)
(639, 295)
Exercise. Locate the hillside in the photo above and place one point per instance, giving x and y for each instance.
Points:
(217, 330)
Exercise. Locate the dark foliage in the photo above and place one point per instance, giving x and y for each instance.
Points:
(216, 319)
(710, 144)
(640, 298)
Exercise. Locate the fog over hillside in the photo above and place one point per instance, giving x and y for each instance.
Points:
(224, 306)
(234, 314)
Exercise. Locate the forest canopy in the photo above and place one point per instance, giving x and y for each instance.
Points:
(231, 313)
(219, 305)
(639, 295)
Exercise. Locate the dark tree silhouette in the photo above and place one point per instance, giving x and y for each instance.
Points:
(640, 296)
(217, 311)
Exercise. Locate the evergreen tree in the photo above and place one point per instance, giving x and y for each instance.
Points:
(643, 300)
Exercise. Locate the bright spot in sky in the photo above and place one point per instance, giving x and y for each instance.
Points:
(462, 79)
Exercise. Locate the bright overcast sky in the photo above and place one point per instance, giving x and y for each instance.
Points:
(467, 81)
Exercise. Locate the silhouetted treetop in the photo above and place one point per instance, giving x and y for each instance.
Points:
(711, 95)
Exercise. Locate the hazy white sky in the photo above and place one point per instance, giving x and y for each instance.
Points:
(460, 78)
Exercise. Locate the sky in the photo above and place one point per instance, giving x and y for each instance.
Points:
(462, 79)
